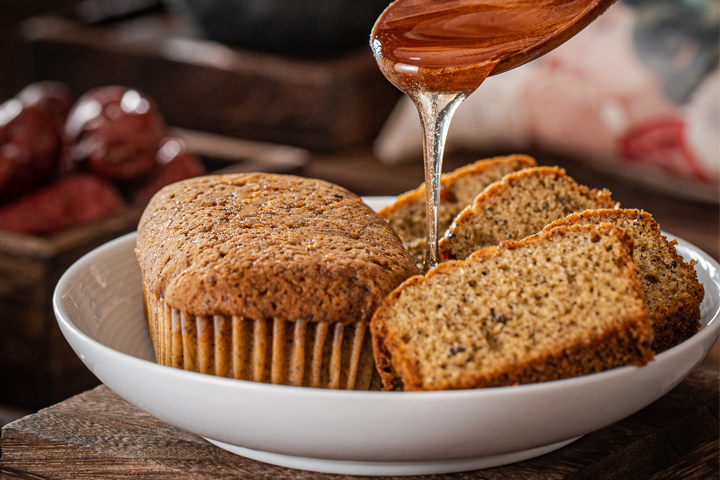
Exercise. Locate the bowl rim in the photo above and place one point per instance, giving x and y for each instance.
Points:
(709, 329)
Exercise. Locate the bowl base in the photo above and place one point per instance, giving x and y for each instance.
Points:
(389, 468)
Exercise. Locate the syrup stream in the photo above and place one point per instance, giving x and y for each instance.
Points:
(436, 110)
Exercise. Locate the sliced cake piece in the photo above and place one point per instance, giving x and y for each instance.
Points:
(562, 303)
(458, 189)
(672, 291)
(521, 204)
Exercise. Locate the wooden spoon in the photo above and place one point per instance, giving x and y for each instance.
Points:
(453, 45)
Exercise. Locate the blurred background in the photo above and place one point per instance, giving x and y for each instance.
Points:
(631, 104)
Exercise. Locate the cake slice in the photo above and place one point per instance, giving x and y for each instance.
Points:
(521, 204)
(562, 303)
(672, 291)
(458, 189)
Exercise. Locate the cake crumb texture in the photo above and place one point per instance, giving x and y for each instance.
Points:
(520, 204)
(673, 293)
(458, 189)
(565, 302)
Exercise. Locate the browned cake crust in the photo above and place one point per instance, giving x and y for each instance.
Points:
(267, 278)
(457, 190)
(268, 246)
(565, 302)
(521, 204)
(672, 291)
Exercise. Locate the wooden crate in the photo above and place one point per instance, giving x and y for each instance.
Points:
(37, 366)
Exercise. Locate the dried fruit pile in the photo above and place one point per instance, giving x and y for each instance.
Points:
(65, 164)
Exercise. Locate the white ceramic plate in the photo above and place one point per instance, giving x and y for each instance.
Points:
(98, 303)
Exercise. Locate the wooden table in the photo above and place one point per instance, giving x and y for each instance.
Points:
(98, 435)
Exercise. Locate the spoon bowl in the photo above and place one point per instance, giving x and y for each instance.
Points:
(453, 45)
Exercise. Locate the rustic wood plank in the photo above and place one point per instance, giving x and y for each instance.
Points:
(702, 463)
(98, 435)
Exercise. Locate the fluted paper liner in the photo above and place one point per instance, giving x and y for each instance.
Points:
(315, 354)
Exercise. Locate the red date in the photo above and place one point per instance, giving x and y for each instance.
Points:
(29, 149)
(113, 131)
(69, 202)
(174, 163)
(53, 98)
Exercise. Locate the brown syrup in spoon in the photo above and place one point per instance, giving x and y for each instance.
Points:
(439, 51)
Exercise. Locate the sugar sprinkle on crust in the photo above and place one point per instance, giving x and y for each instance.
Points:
(265, 246)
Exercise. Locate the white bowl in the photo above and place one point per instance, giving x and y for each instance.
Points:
(98, 303)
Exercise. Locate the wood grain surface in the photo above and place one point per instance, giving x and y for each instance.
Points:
(97, 435)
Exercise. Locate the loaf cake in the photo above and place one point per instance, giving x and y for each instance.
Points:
(269, 278)
(457, 190)
(562, 303)
(520, 204)
(672, 291)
